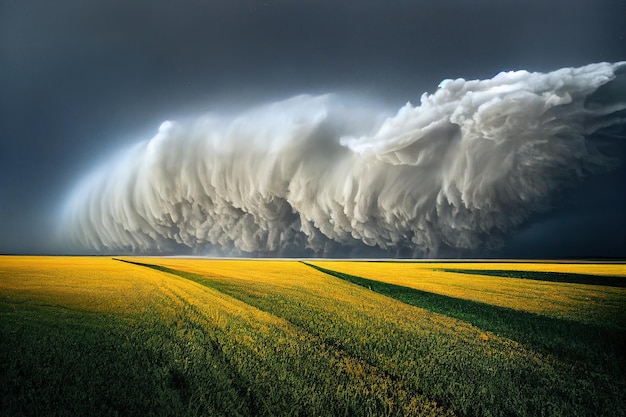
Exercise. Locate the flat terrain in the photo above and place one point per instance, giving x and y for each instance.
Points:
(166, 336)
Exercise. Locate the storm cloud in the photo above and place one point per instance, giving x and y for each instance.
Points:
(319, 174)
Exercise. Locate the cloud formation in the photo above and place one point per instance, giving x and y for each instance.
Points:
(319, 173)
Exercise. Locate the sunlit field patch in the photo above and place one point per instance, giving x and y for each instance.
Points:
(588, 303)
(168, 336)
(92, 284)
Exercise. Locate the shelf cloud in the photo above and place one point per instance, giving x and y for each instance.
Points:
(323, 174)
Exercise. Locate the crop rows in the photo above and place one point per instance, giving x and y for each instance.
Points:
(189, 337)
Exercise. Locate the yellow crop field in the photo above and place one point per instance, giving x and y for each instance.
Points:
(167, 336)
(590, 303)
(593, 268)
(82, 283)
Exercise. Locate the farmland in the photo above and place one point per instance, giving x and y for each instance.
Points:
(166, 336)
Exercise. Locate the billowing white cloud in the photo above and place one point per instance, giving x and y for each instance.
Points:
(470, 162)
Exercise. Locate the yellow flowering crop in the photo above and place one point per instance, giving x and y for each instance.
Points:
(556, 299)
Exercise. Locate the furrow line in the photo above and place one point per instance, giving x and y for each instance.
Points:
(565, 338)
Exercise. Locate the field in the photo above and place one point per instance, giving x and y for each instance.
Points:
(187, 337)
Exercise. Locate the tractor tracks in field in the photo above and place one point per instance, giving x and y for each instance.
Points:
(197, 327)
(584, 348)
(315, 346)
(568, 339)
(201, 280)
(348, 362)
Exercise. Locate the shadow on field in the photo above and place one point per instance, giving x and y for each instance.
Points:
(582, 373)
(568, 339)
(565, 338)
(567, 277)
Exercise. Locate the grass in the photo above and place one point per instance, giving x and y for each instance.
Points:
(95, 336)
(86, 336)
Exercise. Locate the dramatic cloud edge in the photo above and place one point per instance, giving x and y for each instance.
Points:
(472, 161)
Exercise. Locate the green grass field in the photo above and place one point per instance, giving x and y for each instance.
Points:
(182, 337)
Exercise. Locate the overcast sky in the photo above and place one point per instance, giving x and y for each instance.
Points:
(79, 79)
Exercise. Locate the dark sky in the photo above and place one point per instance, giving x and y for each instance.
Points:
(81, 78)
